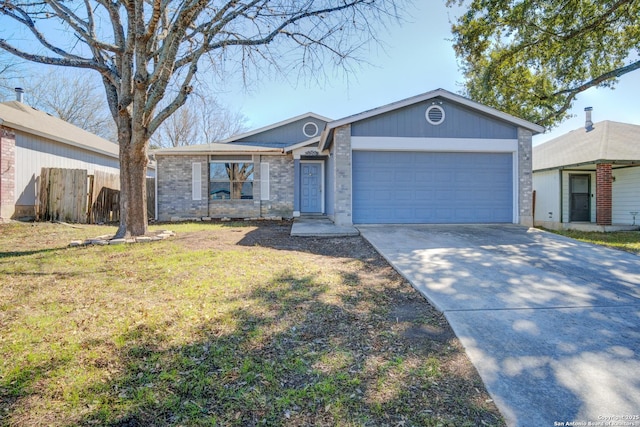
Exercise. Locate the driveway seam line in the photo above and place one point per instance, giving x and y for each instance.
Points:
(455, 310)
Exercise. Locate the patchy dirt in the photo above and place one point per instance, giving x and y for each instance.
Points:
(235, 324)
(276, 235)
(410, 326)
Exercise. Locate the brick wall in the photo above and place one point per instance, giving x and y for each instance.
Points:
(174, 175)
(342, 164)
(525, 179)
(7, 173)
(281, 186)
(603, 194)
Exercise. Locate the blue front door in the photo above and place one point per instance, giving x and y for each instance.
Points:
(311, 200)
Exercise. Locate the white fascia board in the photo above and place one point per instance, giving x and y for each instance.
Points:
(434, 144)
(221, 153)
(314, 140)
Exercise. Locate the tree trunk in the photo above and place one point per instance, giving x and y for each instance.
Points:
(133, 191)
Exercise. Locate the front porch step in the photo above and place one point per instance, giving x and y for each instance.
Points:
(320, 226)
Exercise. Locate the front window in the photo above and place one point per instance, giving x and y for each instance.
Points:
(231, 180)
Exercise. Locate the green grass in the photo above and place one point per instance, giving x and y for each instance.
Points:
(205, 329)
(624, 240)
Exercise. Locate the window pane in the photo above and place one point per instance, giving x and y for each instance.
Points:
(243, 172)
(243, 190)
(218, 172)
(220, 190)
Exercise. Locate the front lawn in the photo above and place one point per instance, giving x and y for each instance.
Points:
(625, 240)
(223, 324)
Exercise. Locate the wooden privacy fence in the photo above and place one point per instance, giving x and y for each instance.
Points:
(71, 195)
(104, 203)
(63, 195)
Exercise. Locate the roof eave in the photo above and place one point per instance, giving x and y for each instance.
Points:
(314, 140)
(588, 163)
(59, 139)
(210, 151)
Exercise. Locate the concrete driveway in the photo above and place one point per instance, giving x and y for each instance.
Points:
(551, 324)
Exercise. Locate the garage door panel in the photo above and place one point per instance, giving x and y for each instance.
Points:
(419, 187)
(403, 177)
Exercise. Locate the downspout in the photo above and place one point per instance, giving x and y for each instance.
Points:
(155, 184)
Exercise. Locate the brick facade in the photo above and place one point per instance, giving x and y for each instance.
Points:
(174, 180)
(603, 194)
(525, 178)
(281, 187)
(175, 190)
(7, 173)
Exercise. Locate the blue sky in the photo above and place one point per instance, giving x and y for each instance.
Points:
(417, 57)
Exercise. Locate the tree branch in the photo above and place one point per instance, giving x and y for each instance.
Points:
(571, 93)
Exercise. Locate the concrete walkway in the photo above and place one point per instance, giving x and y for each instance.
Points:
(320, 226)
(551, 324)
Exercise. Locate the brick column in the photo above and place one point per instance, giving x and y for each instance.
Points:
(342, 209)
(7, 173)
(603, 194)
(525, 180)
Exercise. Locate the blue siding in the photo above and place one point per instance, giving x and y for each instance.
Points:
(436, 188)
(460, 122)
(288, 134)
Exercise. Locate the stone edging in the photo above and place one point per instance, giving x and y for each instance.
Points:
(109, 239)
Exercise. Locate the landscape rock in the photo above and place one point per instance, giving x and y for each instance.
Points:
(109, 240)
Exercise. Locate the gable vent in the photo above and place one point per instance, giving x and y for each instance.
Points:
(435, 114)
(310, 129)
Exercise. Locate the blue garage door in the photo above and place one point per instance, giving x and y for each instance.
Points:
(432, 188)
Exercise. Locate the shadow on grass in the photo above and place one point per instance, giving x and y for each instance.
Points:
(296, 350)
(11, 254)
(294, 357)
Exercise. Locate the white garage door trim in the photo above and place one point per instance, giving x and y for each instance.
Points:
(368, 143)
(452, 145)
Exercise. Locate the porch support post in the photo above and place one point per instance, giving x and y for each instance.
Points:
(603, 193)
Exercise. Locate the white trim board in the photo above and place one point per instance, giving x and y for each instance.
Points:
(377, 143)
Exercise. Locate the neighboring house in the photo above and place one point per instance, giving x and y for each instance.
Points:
(433, 158)
(589, 178)
(31, 140)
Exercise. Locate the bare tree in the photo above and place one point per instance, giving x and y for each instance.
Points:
(10, 70)
(75, 98)
(218, 122)
(140, 46)
(180, 129)
(200, 121)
